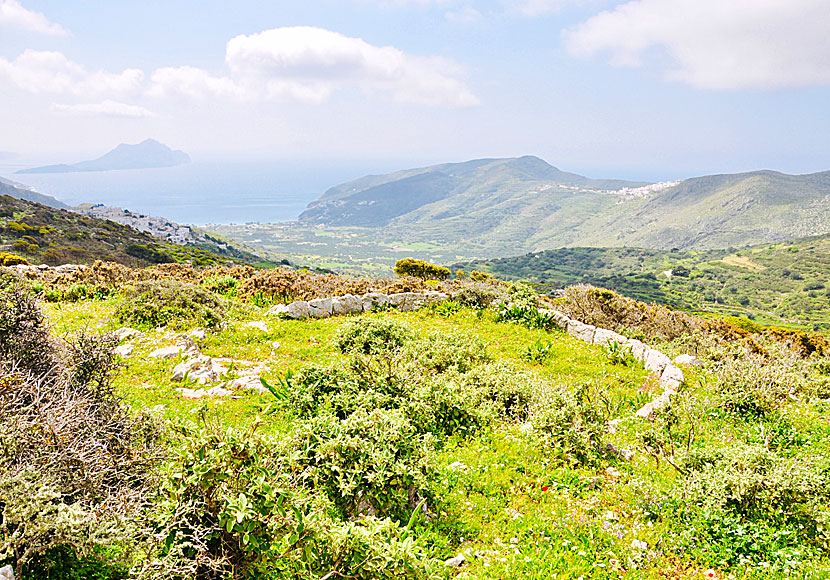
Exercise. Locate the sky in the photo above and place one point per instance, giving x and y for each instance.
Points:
(638, 89)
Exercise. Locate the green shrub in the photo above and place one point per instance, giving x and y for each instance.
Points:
(157, 303)
(421, 269)
(443, 351)
(537, 351)
(224, 285)
(478, 295)
(572, 422)
(374, 461)
(372, 336)
(523, 295)
(619, 353)
(501, 389)
(526, 316)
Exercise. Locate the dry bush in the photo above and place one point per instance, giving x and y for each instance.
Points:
(74, 464)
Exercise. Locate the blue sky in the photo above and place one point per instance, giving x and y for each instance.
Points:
(646, 89)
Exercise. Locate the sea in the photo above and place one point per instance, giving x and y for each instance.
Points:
(203, 193)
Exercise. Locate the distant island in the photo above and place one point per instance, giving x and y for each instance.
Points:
(145, 155)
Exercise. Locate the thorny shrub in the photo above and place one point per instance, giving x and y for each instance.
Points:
(153, 304)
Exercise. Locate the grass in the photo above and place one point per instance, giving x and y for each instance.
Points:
(513, 508)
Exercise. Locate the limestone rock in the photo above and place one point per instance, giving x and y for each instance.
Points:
(277, 310)
(581, 331)
(298, 310)
(200, 369)
(192, 394)
(320, 307)
(455, 562)
(218, 392)
(656, 361)
(671, 378)
(65, 268)
(638, 349)
(688, 360)
(561, 320)
(433, 297)
(166, 352)
(124, 350)
(348, 304)
(406, 301)
(126, 333)
(257, 324)
(247, 383)
(6, 573)
(603, 337)
(374, 300)
(198, 333)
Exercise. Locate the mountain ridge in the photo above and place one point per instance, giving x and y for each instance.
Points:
(148, 154)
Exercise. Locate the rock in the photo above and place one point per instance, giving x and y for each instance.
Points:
(277, 310)
(218, 391)
(688, 360)
(621, 452)
(198, 333)
(561, 320)
(455, 562)
(612, 472)
(125, 333)
(123, 350)
(166, 352)
(298, 310)
(656, 361)
(406, 301)
(603, 336)
(248, 383)
(671, 378)
(581, 331)
(6, 573)
(373, 300)
(192, 394)
(65, 268)
(200, 369)
(257, 324)
(348, 304)
(638, 349)
(320, 307)
(431, 297)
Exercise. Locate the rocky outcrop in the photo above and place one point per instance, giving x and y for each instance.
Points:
(351, 304)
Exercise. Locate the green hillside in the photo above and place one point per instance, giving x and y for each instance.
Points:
(502, 207)
(784, 283)
(42, 234)
(19, 191)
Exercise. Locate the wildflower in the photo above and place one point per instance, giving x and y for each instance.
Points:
(710, 573)
(545, 488)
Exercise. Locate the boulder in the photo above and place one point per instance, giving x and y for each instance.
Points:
(320, 307)
(671, 378)
(277, 310)
(298, 310)
(406, 301)
(218, 391)
(373, 300)
(581, 331)
(65, 268)
(656, 361)
(431, 296)
(348, 304)
(198, 333)
(123, 350)
(688, 360)
(6, 573)
(258, 325)
(603, 336)
(192, 394)
(126, 333)
(561, 320)
(456, 561)
(166, 352)
(638, 349)
(200, 369)
(247, 384)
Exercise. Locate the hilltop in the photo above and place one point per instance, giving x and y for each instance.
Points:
(145, 155)
(20, 191)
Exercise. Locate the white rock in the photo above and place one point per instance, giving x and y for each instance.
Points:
(603, 336)
(320, 307)
(432, 296)
(348, 304)
(581, 331)
(688, 360)
(277, 310)
(125, 333)
(298, 309)
(638, 349)
(65, 268)
(192, 394)
(123, 350)
(218, 392)
(257, 324)
(406, 301)
(455, 562)
(198, 333)
(247, 383)
(200, 369)
(167, 352)
(671, 378)
(6, 573)
(373, 300)
(656, 361)
(560, 319)
(457, 466)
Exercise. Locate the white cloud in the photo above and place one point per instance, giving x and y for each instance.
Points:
(51, 72)
(13, 14)
(107, 108)
(540, 7)
(310, 64)
(715, 44)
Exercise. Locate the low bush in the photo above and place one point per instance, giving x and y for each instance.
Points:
(421, 269)
(372, 336)
(479, 295)
(152, 304)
